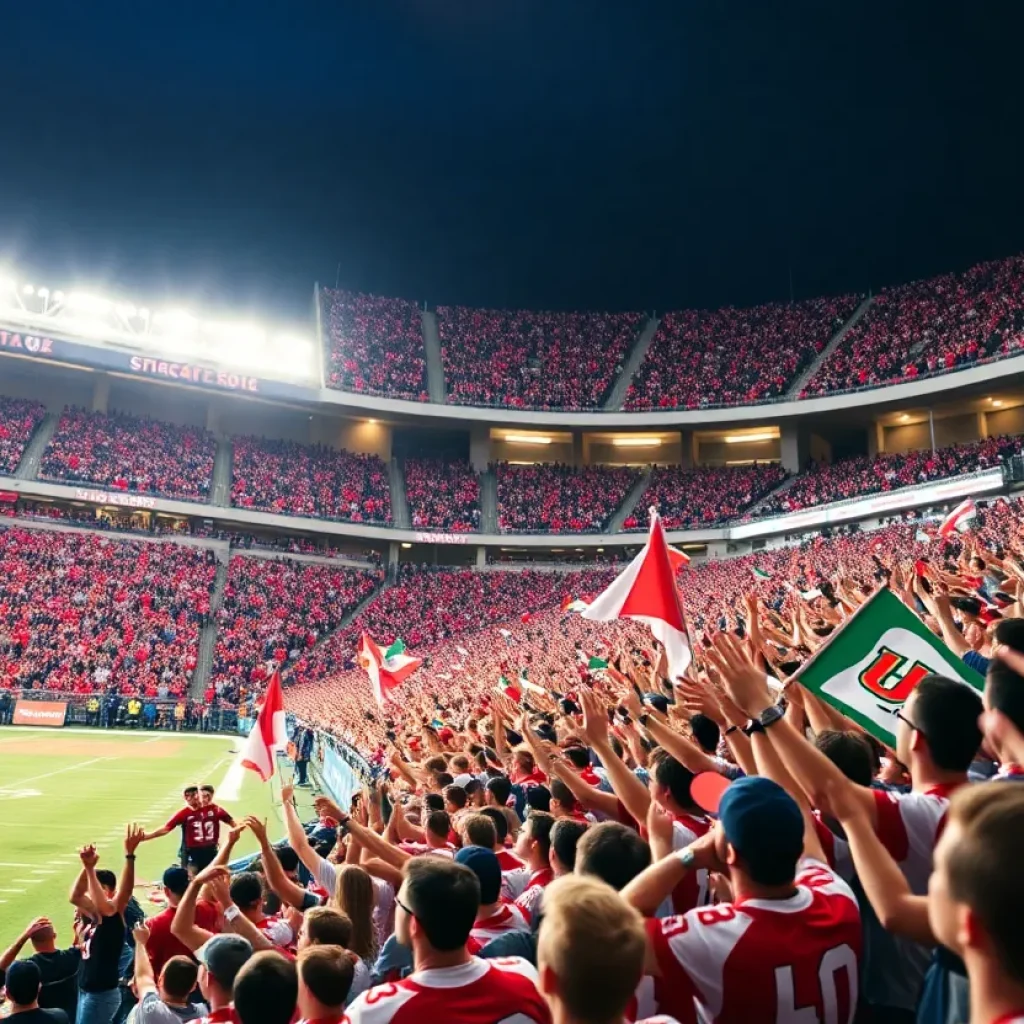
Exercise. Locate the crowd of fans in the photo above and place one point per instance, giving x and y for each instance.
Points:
(443, 494)
(19, 418)
(84, 614)
(274, 611)
(131, 453)
(822, 483)
(313, 481)
(532, 360)
(929, 327)
(705, 496)
(552, 498)
(734, 356)
(374, 345)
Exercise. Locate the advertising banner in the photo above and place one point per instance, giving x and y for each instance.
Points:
(40, 712)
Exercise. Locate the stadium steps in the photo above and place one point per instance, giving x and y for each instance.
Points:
(489, 502)
(773, 493)
(28, 468)
(636, 492)
(617, 395)
(436, 386)
(208, 636)
(220, 485)
(399, 503)
(834, 342)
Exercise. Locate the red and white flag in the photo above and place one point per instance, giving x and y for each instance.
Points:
(959, 519)
(268, 734)
(677, 559)
(387, 669)
(646, 591)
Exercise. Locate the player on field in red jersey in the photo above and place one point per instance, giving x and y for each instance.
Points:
(199, 820)
(437, 905)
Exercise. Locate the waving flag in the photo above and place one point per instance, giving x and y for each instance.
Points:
(387, 669)
(646, 592)
(268, 734)
(959, 519)
(678, 559)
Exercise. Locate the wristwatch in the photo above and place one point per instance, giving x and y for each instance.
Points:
(687, 857)
(752, 726)
(644, 719)
(771, 715)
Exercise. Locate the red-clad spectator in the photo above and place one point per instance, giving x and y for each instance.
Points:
(131, 453)
(552, 498)
(309, 480)
(533, 360)
(374, 345)
(442, 494)
(19, 418)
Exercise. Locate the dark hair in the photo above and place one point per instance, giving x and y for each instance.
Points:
(207, 788)
(106, 878)
(706, 732)
(246, 890)
(266, 989)
(456, 796)
(612, 852)
(674, 776)
(433, 802)
(24, 983)
(178, 977)
(1011, 633)
(563, 794)
(435, 764)
(439, 824)
(500, 822)
(945, 712)
(500, 788)
(444, 898)
(328, 926)
(287, 857)
(443, 780)
(1005, 691)
(327, 971)
(849, 752)
(579, 757)
(189, 789)
(539, 825)
(480, 831)
(538, 798)
(565, 835)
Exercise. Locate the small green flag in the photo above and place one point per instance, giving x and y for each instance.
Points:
(870, 666)
(397, 648)
(596, 663)
(761, 574)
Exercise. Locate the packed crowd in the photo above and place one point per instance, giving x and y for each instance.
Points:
(533, 360)
(705, 496)
(594, 843)
(552, 498)
(929, 327)
(443, 494)
(374, 345)
(734, 356)
(822, 483)
(19, 418)
(274, 612)
(131, 453)
(313, 481)
(85, 614)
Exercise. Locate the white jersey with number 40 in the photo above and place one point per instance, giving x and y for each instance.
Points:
(789, 961)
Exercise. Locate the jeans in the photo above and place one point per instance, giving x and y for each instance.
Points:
(98, 1007)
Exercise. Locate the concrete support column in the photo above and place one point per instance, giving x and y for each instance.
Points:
(717, 549)
(794, 447)
(392, 556)
(578, 456)
(982, 425)
(101, 393)
(686, 448)
(479, 447)
(213, 419)
(481, 556)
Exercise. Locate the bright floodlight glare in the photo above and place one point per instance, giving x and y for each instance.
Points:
(127, 310)
(7, 284)
(43, 293)
(143, 314)
(58, 296)
(176, 321)
(28, 290)
(91, 305)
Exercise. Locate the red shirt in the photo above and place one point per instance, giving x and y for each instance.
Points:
(202, 826)
(163, 945)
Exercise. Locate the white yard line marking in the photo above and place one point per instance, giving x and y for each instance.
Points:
(14, 864)
(59, 771)
(16, 730)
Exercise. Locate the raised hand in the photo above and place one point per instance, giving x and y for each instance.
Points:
(744, 682)
(140, 933)
(89, 856)
(257, 828)
(133, 836)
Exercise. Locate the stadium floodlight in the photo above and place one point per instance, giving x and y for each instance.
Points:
(636, 442)
(750, 438)
(43, 293)
(58, 296)
(28, 290)
(527, 439)
(88, 303)
(126, 310)
(176, 321)
(8, 284)
(997, 402)
(406, 545)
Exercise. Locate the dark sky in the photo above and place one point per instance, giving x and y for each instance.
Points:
(594, 153)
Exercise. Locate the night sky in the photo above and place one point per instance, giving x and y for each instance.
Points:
(558, 153)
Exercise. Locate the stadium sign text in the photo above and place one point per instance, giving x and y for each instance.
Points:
(194, 374)
(442, 538)
(27, 342)
(115, 498)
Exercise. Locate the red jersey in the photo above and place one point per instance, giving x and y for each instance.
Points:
(202, 826)
(226, 1015)
(163, 945)
(764, 960)
(693, 890)
(508, 861)
(507, 918)
(477, 992)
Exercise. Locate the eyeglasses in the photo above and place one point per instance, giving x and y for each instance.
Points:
(404, 907)
(906, 721)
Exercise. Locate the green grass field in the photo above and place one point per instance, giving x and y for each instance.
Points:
(61, 789)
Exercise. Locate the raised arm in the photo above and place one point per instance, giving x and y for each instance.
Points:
(11, 953)
(289, 891)
(183, 925)
(126, 884)
(145, 980)
(105, 906)
(79, 895)
(592, 798)
(648, 890)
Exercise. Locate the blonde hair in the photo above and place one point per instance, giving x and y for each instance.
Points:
(596, 980)
(354, 896)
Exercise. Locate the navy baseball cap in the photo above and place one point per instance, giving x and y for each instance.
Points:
(487, 868)
(176, 880)
(224, 956)
(761, 821)
(23, 982)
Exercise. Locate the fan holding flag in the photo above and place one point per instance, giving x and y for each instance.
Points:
(387, 669)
